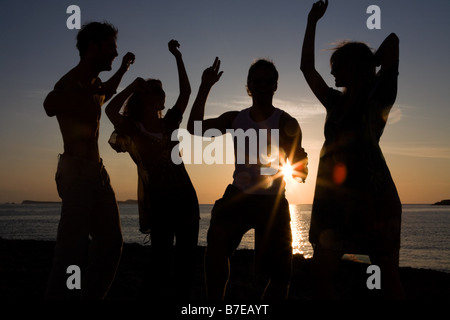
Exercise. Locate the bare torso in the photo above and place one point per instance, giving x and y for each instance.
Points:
(78, 109)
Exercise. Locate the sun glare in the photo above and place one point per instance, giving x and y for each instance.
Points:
(287, 170)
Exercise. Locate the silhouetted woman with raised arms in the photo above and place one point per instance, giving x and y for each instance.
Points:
(168, 204)
(356, 208)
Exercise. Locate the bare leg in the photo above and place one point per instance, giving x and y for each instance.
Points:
(390, 278)
(276, 290)
(217, 265)
(324, 265)
(217, 271)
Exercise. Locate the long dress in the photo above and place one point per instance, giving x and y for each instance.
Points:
(356, 206)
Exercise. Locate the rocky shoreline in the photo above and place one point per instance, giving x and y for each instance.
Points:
(443, 203)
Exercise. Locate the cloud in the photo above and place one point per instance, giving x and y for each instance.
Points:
(418, 151)
(216, 108)
(395, 115)
(300, 109)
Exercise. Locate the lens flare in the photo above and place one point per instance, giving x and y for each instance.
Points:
(293, 172)
(287, 170)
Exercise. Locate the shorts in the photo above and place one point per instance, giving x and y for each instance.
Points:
(89, 232)
(89, 208)
(237, 212)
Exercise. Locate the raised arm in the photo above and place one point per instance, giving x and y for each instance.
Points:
(67, 94)
(185, 87)
(109, 88)
(210, 76)
(307, 65)
(387, 54)
(114, 106)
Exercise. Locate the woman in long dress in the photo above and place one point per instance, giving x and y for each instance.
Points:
(356, 207)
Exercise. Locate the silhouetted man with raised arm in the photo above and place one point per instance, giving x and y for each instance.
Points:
(89, 232)
(256, 197)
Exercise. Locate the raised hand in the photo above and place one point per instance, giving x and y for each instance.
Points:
(318, 10)
(212, 74)
(127, 60)
(173, 48)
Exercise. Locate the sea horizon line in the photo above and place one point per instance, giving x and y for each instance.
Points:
(134, 201)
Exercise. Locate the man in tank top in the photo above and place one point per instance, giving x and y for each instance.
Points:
(265, 137)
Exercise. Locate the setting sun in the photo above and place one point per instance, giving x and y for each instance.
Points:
(287, 170)
(294, 172)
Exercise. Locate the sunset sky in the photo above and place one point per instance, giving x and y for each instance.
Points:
(37, 49)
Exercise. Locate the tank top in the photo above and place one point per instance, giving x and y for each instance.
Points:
(256, 154)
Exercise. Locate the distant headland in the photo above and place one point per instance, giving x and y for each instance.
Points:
(129, 201)
(443, 203)
(39, 202)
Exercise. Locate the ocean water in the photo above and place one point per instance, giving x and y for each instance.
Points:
(425, 233)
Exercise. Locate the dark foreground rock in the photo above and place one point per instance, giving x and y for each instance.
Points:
(25, 265)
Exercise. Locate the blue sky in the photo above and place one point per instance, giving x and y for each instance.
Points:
(38, 48)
